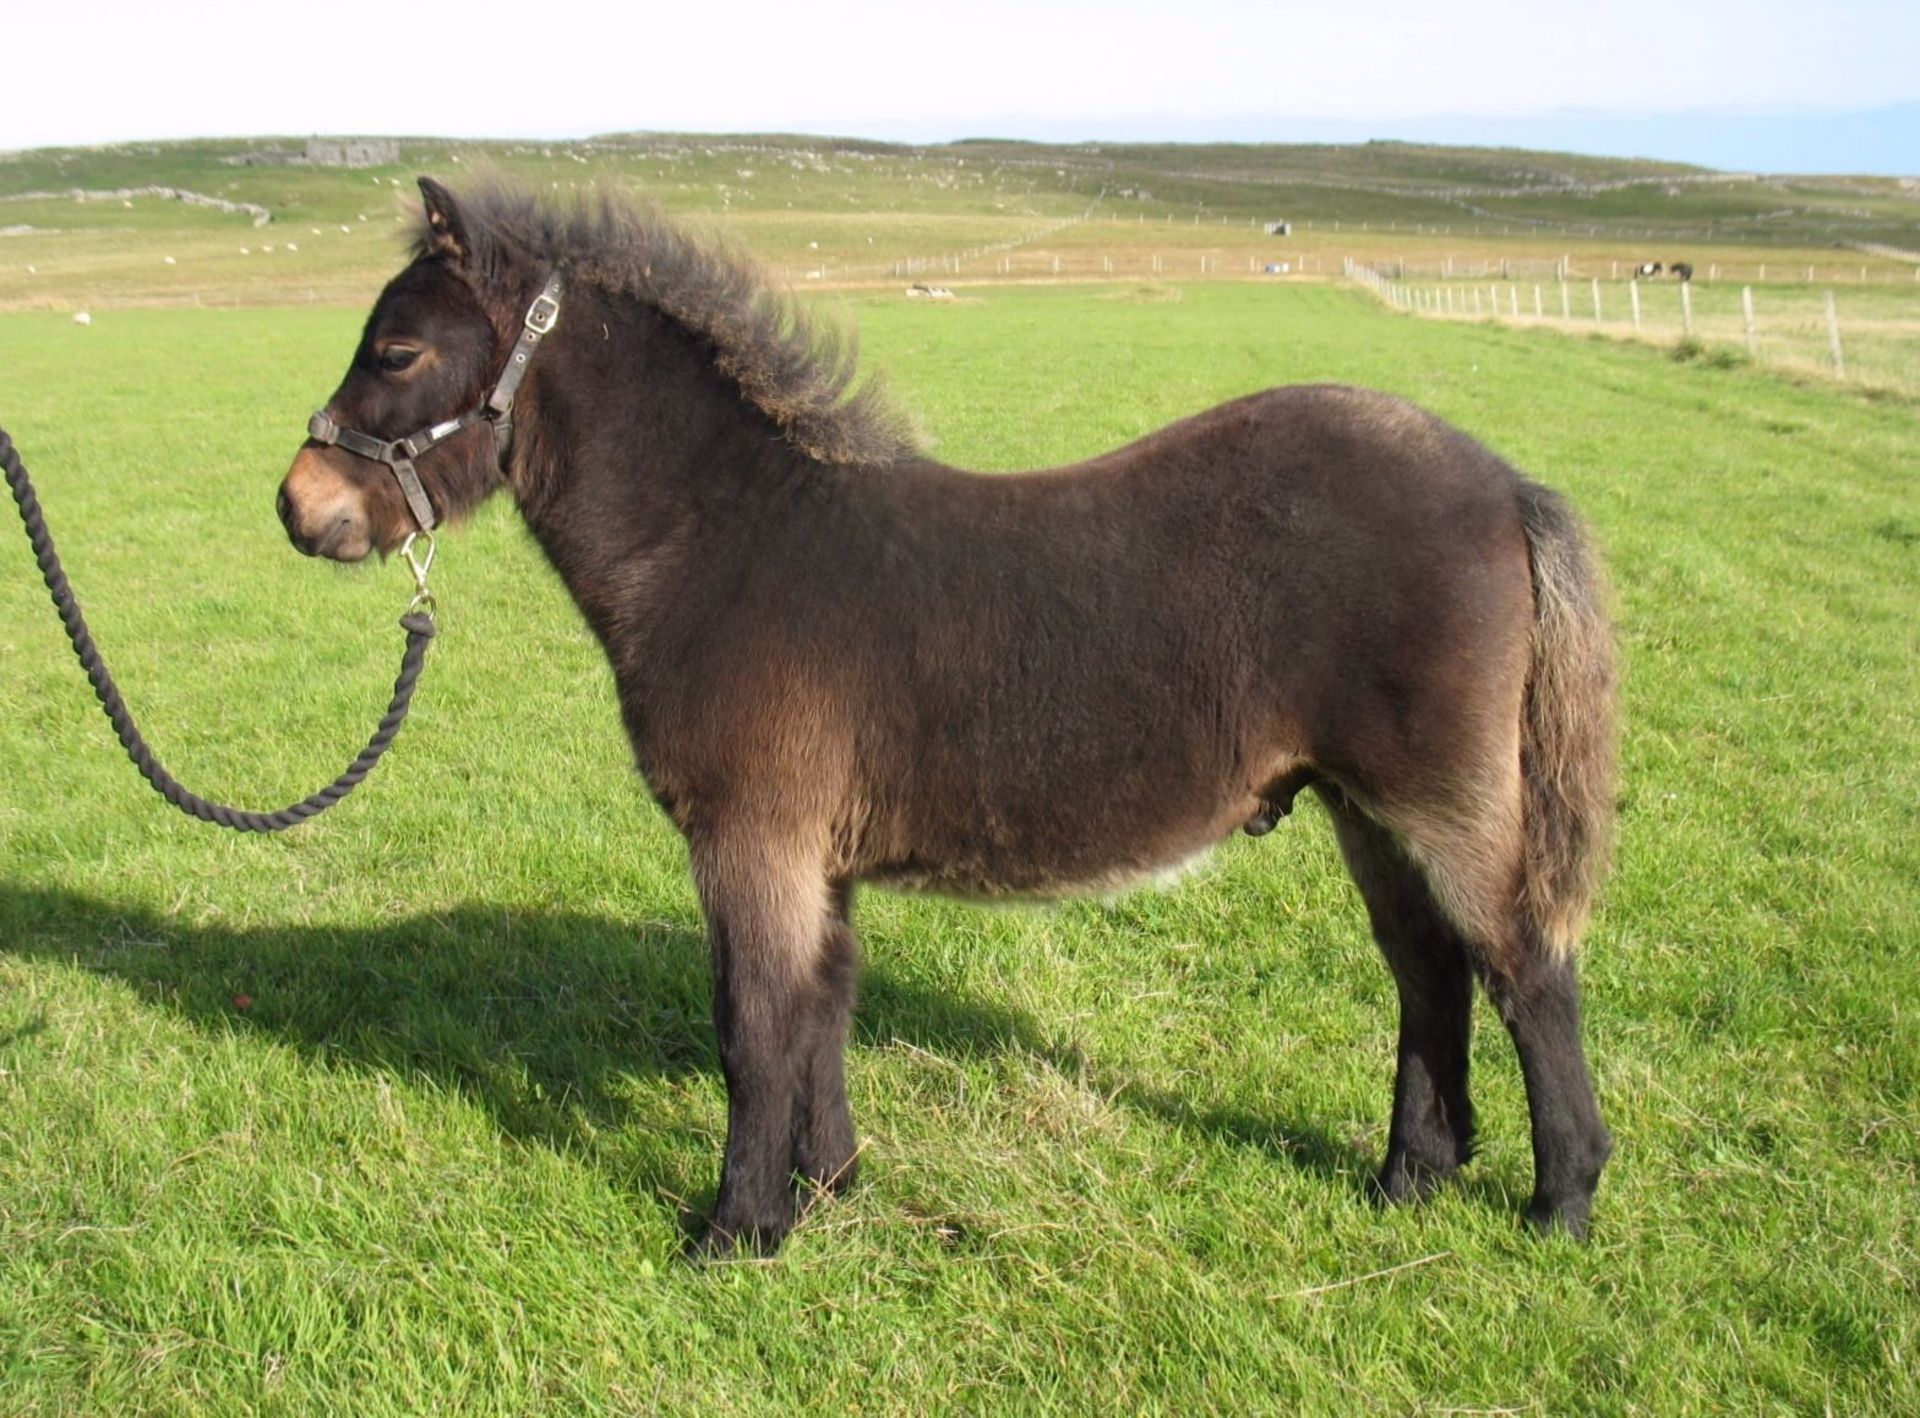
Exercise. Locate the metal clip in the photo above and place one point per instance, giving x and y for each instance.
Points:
(419, 565)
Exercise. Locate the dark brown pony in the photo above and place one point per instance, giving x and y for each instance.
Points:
(839, 661)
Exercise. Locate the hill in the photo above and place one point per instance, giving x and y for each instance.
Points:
(97, 226)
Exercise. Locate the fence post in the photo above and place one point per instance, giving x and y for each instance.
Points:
(1596, 300)
(1476, 302)
(1746, 307)
(1566, 303)
(1538, 313)
(1686, 307)
(1833, 339)
(1633, 290)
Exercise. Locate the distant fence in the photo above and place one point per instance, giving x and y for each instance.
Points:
(1869, 336)
(1758, 271)
(1100, 242)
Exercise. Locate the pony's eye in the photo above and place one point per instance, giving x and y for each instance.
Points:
(397, 357)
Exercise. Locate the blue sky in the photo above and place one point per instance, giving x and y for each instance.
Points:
(1739, 83)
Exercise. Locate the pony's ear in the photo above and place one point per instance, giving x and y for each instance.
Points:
(446, 228)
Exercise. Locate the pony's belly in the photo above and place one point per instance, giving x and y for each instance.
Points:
(972, 886)
(1046, 852)
(1034, 875)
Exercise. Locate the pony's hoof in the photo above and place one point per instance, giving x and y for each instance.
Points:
(1566, 1218)
(817, 1181)
(1404, 1183)
(718, 1243)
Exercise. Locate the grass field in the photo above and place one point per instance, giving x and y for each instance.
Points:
(412, 1107)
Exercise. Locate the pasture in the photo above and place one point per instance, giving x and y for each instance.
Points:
(413, 1107)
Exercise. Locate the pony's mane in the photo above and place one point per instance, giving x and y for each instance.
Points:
(796, 369)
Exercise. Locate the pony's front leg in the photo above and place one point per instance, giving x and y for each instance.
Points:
(824, 1151)
(767, 921)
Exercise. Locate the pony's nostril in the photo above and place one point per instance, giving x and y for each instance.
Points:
(284, 506)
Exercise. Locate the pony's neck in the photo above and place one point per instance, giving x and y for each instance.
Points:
(637, 455)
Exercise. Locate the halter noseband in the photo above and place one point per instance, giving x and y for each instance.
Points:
(398, 455)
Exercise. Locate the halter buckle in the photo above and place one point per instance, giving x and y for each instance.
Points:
(543, 314)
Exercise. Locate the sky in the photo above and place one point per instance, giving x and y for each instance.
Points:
(1831, 85)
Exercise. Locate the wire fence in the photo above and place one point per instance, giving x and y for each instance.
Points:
(1865, 336)
(1757, 270)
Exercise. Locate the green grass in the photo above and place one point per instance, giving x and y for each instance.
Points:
(445, 1154)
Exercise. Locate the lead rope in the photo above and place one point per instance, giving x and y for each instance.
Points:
(417, 622)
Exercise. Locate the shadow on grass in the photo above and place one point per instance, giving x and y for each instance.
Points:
(542, 1018)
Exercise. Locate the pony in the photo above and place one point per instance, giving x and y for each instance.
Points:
(841, 662)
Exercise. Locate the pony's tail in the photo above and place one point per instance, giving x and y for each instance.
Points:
(1569, 725)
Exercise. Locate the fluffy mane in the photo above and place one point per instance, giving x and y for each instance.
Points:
(798, 370)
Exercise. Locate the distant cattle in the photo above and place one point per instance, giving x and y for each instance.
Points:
(1681, 271)
(1646, 270)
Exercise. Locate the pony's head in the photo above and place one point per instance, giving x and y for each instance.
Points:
(430, 352)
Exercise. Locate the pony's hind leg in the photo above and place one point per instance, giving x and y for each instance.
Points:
(1539, 999)
(1431, 1134)
(1472, 874)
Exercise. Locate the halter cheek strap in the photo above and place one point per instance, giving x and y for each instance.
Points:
(398, 454)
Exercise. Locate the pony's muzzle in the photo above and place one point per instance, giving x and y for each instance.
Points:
(322, 510)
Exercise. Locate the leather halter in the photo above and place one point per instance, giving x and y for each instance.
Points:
(399, 453)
